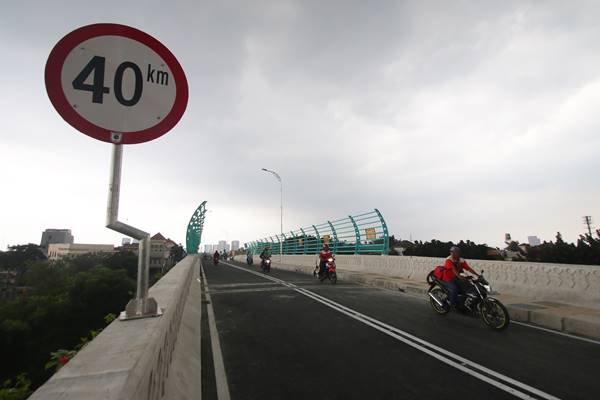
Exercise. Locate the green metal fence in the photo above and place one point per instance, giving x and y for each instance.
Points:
(356, 234)
(193, 235)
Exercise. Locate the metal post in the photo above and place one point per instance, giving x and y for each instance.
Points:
(141, 306)
(281, 215)
(356, 234)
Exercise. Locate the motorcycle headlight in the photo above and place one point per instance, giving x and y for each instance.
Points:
(488, 288)
(268, 261)
(330, 259)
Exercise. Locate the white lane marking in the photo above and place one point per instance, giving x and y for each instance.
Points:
(219, 365)
(555, 332)
(443, 355)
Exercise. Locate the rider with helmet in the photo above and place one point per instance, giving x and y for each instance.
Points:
(451, 277)
(265, 254)
(324, 255)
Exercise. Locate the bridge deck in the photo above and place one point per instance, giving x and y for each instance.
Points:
(288, 336)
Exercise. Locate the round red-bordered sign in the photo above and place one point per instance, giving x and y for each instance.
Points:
(161, 101)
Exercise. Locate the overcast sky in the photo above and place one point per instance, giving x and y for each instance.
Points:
(457, 119)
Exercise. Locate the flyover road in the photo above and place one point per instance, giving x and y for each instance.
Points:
(286, 336)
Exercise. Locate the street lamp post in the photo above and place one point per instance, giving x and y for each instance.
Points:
(276, 175)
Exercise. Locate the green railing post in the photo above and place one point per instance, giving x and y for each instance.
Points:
(284, 244)
(272, 244)
(386, 237)
(357, 233)
(318, 239)
(303, 241)
(295, 244)
(335, 238)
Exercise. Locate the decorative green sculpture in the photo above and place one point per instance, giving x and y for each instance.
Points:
(194, 229)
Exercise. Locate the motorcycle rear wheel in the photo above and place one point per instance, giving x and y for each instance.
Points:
(494, 314)
(441, 296)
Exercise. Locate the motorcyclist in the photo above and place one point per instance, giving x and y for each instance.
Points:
(216, 256)
(265, 254)
(324, 255)
(451, 278)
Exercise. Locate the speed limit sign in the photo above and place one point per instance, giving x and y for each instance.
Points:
(116, 84)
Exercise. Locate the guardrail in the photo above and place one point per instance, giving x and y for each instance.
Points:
(356, 234)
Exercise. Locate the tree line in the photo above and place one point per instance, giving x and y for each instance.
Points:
(585, 251)
(60, 304)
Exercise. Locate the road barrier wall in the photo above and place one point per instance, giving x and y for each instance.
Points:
(576, 284)
(145, 359)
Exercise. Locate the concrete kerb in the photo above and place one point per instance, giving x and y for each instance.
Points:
(563, 318)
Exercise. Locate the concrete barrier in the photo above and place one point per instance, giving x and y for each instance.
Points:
(145, 359)
(575, 284)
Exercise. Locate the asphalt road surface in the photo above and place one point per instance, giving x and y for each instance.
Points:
(287, 336)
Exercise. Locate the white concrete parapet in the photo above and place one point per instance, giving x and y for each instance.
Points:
(577, 284)
(145, 359)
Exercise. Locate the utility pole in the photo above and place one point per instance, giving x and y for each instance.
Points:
(276, 175)
(587, 220)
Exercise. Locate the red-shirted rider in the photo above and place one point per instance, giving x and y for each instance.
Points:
(324, 255)
(452, 278)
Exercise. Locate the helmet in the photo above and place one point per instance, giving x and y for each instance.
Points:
(454, 249)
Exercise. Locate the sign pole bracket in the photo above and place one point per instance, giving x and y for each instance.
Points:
(141, 306)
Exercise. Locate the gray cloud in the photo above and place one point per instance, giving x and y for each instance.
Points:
(457, 119)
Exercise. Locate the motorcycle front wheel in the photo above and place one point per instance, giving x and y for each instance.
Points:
(442, 297)
(333, 278)
(494, 314)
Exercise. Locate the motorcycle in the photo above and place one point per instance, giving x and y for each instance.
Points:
(249, 259)
(474, 301)
(215, 261)
(265, 265)
(329, 271)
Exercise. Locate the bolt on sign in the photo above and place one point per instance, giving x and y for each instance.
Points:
(370, 233)
(116, 84)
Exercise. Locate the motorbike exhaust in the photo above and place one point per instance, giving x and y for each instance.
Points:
(436, 299)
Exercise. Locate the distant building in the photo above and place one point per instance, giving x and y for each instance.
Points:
(222, 246)
(534, 241)
(57, 251)
(235, 245)
(132, 247)
(208, 248)
(125, 241)
(50, 236)
(160, 252)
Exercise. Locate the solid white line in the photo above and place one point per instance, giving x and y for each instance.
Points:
(451, 359)
(555, 332)
(219, 365)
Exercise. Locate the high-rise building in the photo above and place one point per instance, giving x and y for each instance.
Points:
(208, 248)
(235, 245)
(49, 236)
(534, 241)
(222, 246)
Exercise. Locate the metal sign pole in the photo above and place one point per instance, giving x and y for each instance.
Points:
(142, 306)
